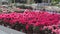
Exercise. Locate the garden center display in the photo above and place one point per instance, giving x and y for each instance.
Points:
(37, 22)
(30, 16)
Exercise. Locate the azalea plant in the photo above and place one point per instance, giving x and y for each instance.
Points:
(37, 22)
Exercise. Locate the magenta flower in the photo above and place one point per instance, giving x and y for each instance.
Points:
(27, 27)
(29, 17)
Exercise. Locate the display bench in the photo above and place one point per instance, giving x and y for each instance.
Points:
(5, 30)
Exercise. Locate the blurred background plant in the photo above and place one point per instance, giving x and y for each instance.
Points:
(54, 2)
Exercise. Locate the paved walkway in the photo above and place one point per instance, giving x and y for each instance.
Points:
(4, 30)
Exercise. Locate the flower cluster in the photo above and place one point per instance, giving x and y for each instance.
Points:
(54, 29)
(30, 19)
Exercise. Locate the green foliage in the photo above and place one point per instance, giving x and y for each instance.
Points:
(54, 2)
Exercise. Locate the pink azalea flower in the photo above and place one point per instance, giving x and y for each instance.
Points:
(50, 27)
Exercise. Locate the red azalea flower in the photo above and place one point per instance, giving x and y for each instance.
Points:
(27, 27)
(37, 24)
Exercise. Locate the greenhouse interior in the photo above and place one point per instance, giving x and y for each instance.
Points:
(29, 16)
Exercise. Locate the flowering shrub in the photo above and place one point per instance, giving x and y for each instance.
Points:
(32, 21)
